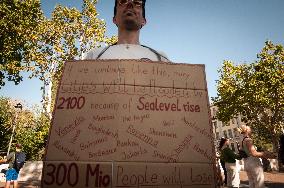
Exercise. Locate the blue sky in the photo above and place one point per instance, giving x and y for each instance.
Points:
(189, 31)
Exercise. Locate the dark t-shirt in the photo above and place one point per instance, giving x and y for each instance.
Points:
(229, 156)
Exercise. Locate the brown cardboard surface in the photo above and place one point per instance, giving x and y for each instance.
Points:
(66, 174)
(132, 111)
(127, 174)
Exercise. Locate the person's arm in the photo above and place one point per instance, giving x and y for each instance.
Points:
(4, 160)
(8, 158)
(255, 153)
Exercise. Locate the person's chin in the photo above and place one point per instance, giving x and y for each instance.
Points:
(131, 24)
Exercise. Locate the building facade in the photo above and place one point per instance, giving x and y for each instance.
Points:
(227, 130)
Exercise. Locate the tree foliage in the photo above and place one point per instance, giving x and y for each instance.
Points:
(31, 128)
(32, 133)
(18, 27)
(40, 45)
(6, 122)
(256, 91)
(67, 35)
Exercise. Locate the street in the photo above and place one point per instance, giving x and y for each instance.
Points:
(272, 179)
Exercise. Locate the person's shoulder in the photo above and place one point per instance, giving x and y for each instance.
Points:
(224, 151)
(93, 53)
(164, 56)
(160, 53)
(22, 153)
(227, 149)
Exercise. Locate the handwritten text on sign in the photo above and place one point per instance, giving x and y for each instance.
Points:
(71, 174)
(131, 111)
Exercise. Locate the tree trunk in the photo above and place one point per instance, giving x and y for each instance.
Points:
(275, 143)
(49, 91)
(49, 98)
(43, 101)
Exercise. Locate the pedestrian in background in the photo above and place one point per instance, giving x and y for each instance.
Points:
(220, 171)
(252, 164)
(16, 161)
(221, 144)
(229, 157)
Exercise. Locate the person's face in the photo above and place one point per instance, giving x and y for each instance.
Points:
(129, 15)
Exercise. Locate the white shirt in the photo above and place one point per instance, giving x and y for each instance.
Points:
(125, 51)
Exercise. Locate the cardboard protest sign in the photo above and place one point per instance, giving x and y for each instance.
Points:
(129, 123)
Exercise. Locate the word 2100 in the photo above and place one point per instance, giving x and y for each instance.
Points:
(71, 103)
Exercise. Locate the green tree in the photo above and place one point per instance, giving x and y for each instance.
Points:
(67, 35)
(256, 91)
(31, 42)
(31, 128)
(41, 46)
(18, 27)
(32, 133)
(6, 122)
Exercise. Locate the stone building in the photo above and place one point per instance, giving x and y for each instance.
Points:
(227, 130)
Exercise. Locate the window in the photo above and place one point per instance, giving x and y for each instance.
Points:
(217, 136)
(233, 147)
(225, 134)
(215, 125)
(214, 112)
(230, 133)
(226, 124)
(236, 133)
(238, 121)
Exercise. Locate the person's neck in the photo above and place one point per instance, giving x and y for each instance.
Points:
(128, 37)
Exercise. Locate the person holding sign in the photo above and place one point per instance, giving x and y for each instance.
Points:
(129, 17)
(252, 163)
